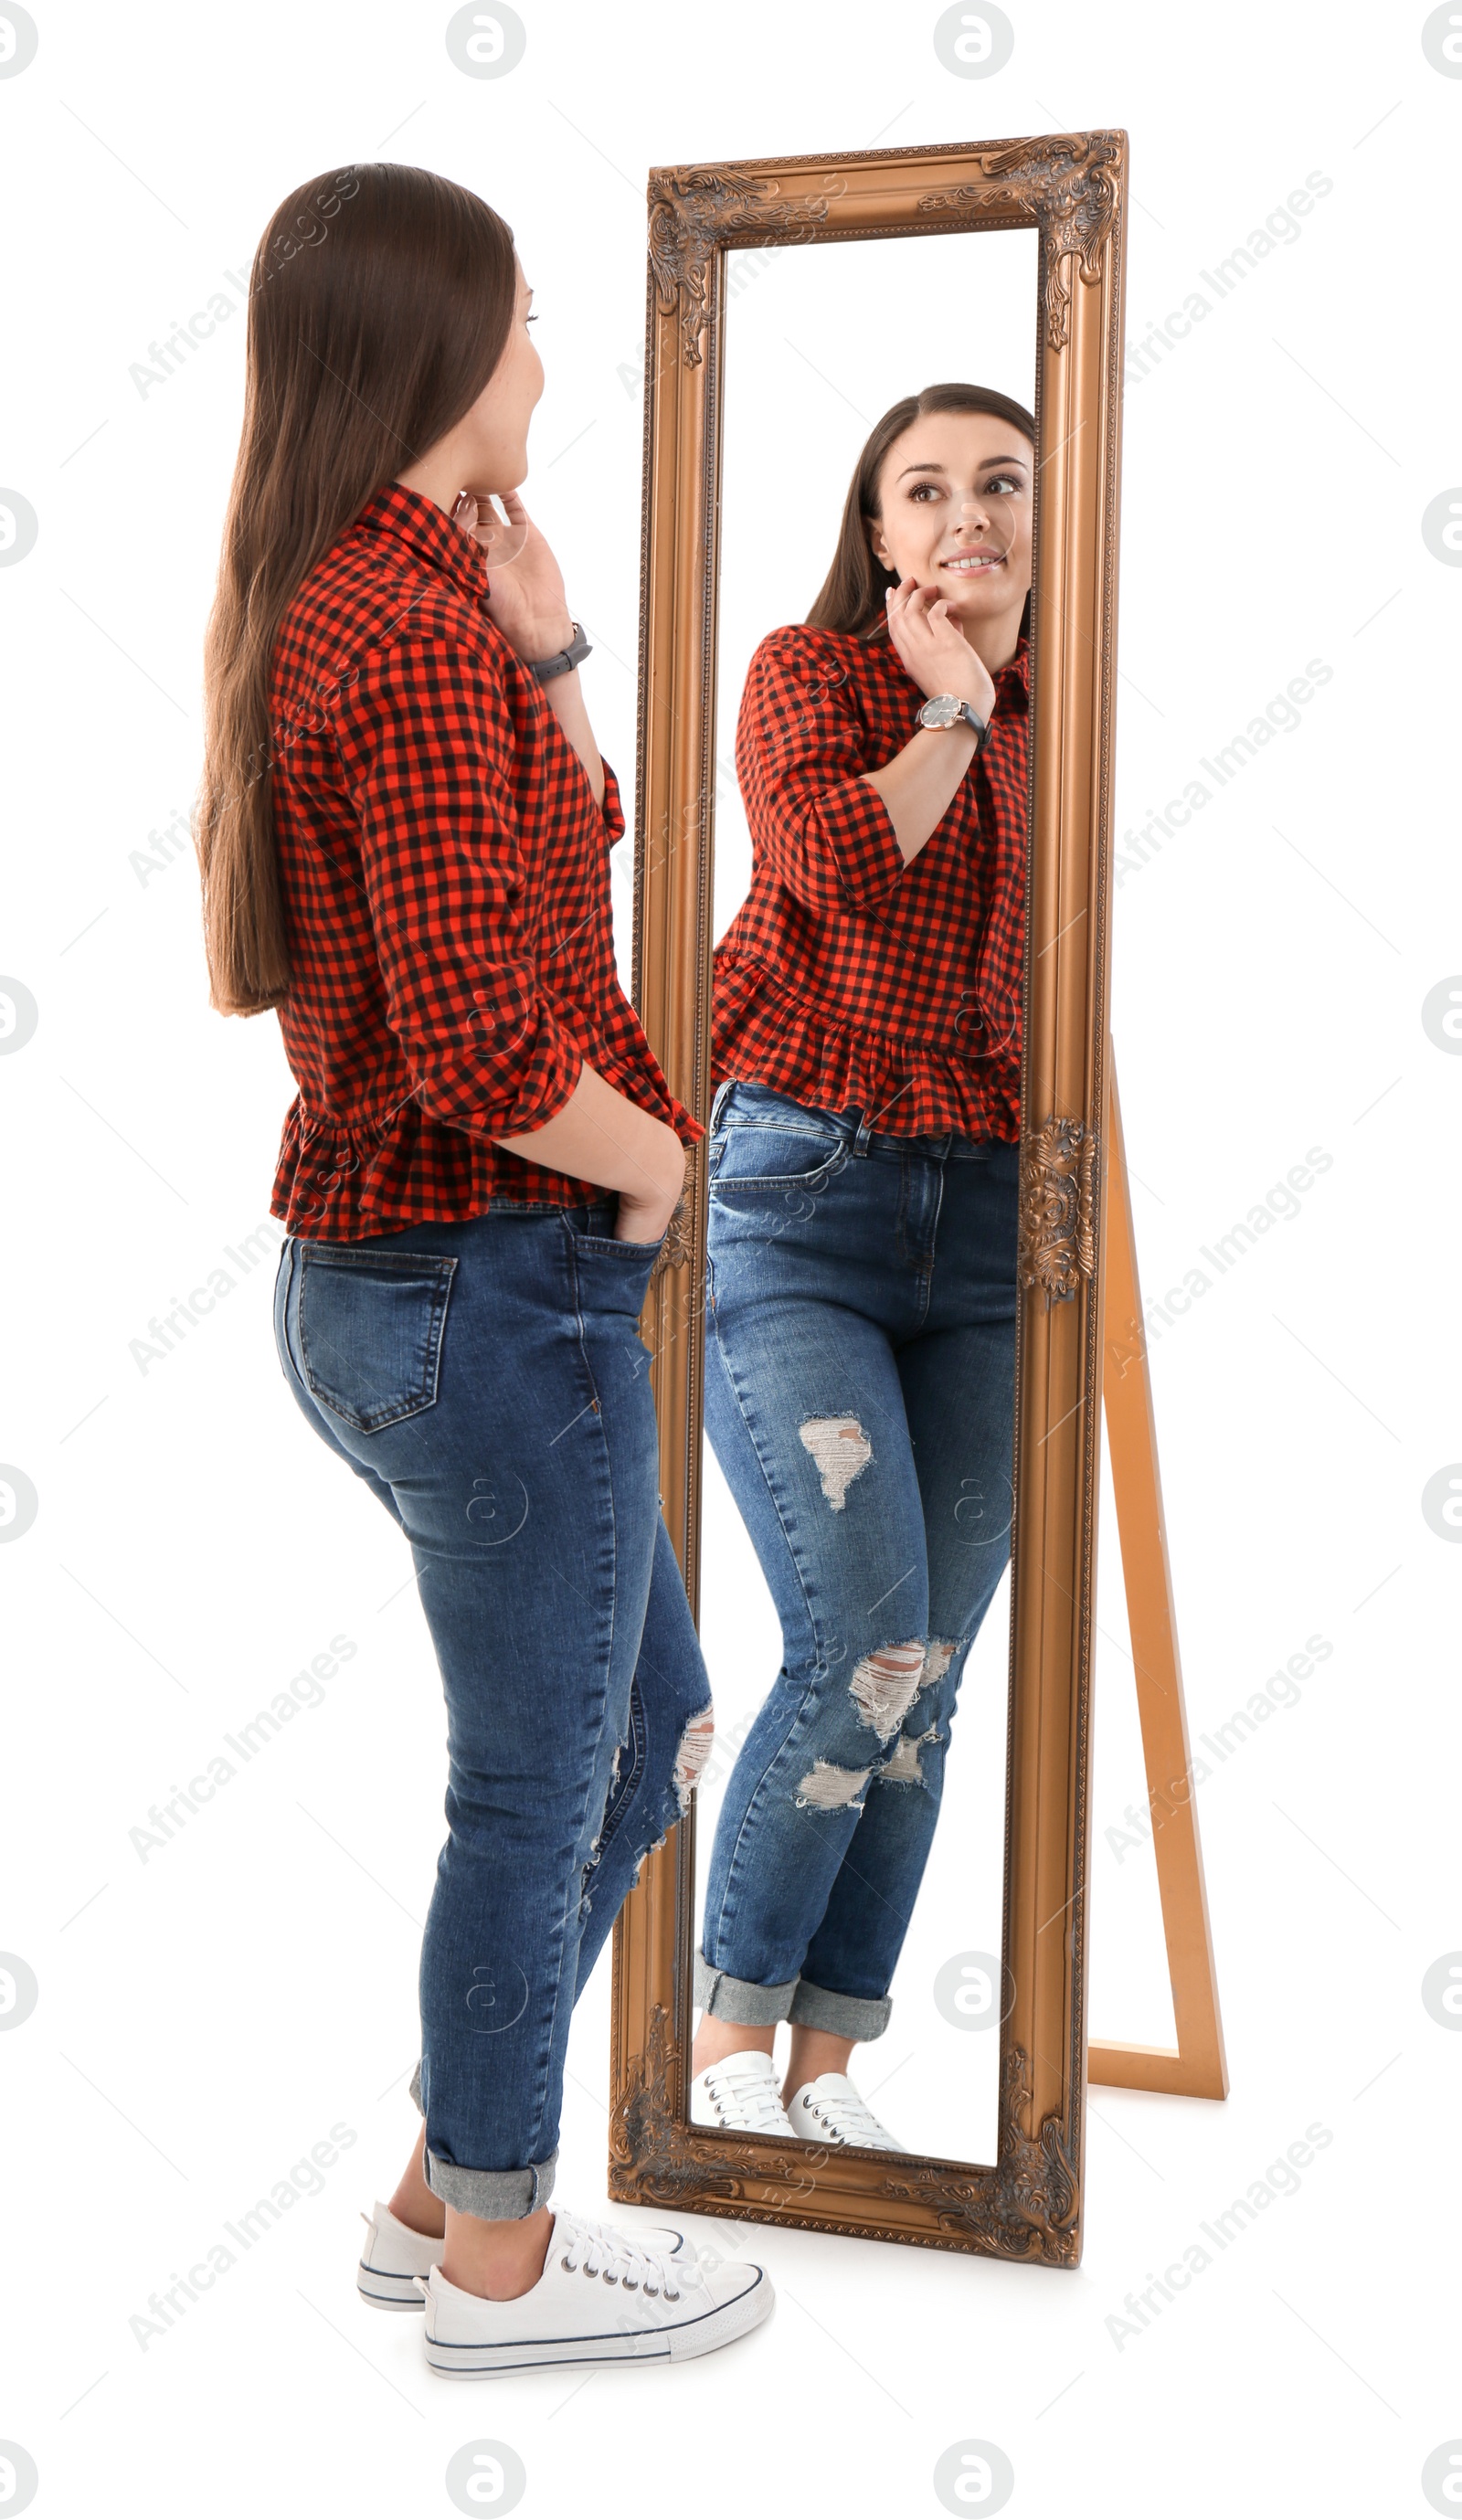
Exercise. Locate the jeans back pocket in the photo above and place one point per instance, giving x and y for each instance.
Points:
(371, 1326)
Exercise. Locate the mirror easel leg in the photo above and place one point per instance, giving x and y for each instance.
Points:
(1196, 2067)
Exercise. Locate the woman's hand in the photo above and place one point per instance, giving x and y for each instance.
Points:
(934, 647)
(526, 596)
(600, 1136)
(645, 1212)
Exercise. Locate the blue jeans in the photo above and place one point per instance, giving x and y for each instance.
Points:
(487, 1381)
(859, 1398)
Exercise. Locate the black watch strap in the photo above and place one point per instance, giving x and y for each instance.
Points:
(566, 658)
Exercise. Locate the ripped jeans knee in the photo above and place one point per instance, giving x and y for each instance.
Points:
(691, 1755)
(885, 1688)
(638, 1820)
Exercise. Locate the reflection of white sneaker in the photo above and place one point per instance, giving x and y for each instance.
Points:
(740, 2093)
(601, 2298)
(394, 2256)
(830, 2111)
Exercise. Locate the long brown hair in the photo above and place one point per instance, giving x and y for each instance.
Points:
(380, 300)
(851, 595)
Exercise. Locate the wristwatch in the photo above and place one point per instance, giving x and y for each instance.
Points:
(946, 710)
(566, 658)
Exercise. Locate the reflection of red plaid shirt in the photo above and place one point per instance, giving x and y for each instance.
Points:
(446, 886)
(846, 977)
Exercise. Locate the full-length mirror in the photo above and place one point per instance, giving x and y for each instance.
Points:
(877, 497)
(873, 799)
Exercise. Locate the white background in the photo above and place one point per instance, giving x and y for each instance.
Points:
(205, 2017)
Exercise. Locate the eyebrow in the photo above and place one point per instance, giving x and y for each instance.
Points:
(1018, 460)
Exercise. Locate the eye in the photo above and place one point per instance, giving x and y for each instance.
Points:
(1011, 480)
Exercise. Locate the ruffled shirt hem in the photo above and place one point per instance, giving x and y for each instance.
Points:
(335, 1180)
(763, 1034)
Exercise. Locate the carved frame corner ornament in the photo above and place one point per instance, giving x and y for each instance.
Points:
(1068, 182)
(1071, 188)
(695, 211)
(1058, 1217)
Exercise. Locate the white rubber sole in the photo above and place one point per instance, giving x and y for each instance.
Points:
(678, 2344)
(387, 2291)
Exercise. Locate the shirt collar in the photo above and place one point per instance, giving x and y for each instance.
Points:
(407, 517)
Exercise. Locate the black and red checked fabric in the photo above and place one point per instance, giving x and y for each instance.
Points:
(847, 978)
(446, 887)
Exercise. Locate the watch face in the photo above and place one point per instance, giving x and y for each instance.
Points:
(943, 711)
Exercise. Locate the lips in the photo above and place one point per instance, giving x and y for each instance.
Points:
(974, 564)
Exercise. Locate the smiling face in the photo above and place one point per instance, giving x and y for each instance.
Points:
(954, 495)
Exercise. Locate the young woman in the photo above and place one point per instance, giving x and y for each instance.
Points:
(405, 828)
(861, 1295)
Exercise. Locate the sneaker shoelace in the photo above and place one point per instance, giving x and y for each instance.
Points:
(750, 2092)
(600, 2249)
(848, 2118)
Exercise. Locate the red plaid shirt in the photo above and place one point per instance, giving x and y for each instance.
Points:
(446, 887)
(848, 977)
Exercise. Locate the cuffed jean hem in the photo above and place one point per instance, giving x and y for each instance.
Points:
(736, 1999)
(846, 2016)
(818, 2007)
(495, 2195)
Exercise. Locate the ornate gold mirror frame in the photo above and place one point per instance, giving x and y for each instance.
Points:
(1071, 188)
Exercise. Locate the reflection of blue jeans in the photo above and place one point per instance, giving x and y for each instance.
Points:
(487, 1381)
(860, 1399)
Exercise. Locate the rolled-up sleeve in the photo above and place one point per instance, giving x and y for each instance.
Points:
(424, 737)
(800, 753)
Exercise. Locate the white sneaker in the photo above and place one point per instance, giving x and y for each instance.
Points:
(830, 2111)
(740, 2093)
(602, 2298)
(394, 2256)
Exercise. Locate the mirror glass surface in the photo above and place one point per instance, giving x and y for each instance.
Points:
(821, 341)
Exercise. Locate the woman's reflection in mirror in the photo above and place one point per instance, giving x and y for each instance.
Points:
(861, 1288)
